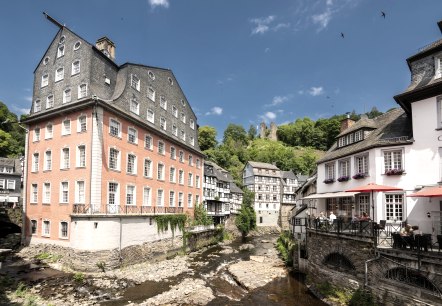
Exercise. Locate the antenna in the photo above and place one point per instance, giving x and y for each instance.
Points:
(53, 20)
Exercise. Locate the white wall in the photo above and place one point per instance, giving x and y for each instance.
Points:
(106, 234)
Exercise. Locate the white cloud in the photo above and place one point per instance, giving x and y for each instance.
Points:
(316, 91)
(155, 3)
(322, 19)
(28, 98)
(216, 110)
(264, 24)
(277, 100)
(270, 115)
(21, 110)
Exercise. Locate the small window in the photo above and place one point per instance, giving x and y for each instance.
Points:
(192, 140)
(172, 153)
(130, 195)
(76, 67)
(171, 198)
(67, 96)
(163, 102)
(151, 93)
(33, 227)
(49, 131)
(62, 39)
(82, 91)
(63, 229)
(65, 158)
(36, 134)
(160, 172)
(77, 45)
(60, 51)
(172, 175)
(147, 171)
(132, 135)
(114, 159)
(135, 82)
(183, 117)
(148, 142)
(174, 111)
(66, 127)
(44, 80)
(46, 228)
(146, 197)
(438, 67)
(183, 103)
(150, 116)
(59, 74)
(190, 160)
(82, 124)
(189, 200)
(183, 135)
(34, 193)
(181, 177)
(161, 147)
(151, 75)
(50, 101)
(134, 106)
(81, 156)
(115, 128)
(64, 194)
(163, 123)
(46, 60)
(192, 124)
(174, 130)
(37, 106)
(170, 81)
(11, 185)
(181, 156)
(131, 164)
(160, 197)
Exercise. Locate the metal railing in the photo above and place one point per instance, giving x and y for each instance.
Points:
(83, 209)
(339, 226)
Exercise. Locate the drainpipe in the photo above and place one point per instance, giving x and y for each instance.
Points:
(25, 185)
(366, 267)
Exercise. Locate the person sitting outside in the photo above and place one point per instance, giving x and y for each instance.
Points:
(364, 217)
(416, 230)
(355, 219)
(332, 217)
(322, 216)
(407, 230)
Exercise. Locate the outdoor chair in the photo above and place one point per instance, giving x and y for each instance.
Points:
(421, 242)
(408, 241)
(397, 240)
(429, 241)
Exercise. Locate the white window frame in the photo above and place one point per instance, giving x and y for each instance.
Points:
(131, 190)
(134, 106)
(50, 101)
(114, 127)
(33, 229)
(115, 193)
(132, 135)
(394, 207)
(36, 134)
(438, 67)
(64, 192)
(10, 184)
(82, 125)
(181, 177)
(135, 82)
(151, 93)
(48, 160)
(37, 106)
(81, 156)
(172, 198)
(131, 166)
(161, 147)
(35, 162)
(148, 142)
(44, 80)
(59, 74)
(67, 95)
(362, 164)
(82, 91)
(65, 158)
(172, 152)
(75, 67)
(116, 159)
(49, 132)
(66, 128)
(192, 123)
(330, 171)
(344, 167)
(163, 102)
(174, 130)
(33, 197)
(80, 192)
(175, 111)
(147, 168)
(60, 51)
(180, 199)
(46, 228)
(161, 171)
(189, 200)
(391, 161)
(150, 116)
(172, 174)
(147, 196)
(160, 199)
(163, 123)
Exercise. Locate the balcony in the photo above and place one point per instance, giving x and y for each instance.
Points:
(82, 209)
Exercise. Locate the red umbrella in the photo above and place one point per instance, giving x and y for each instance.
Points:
(428, 192)
(371, 187)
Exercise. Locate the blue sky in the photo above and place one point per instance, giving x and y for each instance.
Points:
(238, 61)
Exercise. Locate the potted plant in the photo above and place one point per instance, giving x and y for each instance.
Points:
(343, 178)
(394, 172)
(328, 181)
(359, 175)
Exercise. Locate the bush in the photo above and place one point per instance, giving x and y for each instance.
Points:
(101, 265)
(362, 298)
(334, 294)
(78, 277)
(286, 246)
(48, 257)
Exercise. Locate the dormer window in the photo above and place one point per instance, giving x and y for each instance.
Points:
(135, 82)
(438, 67)
(350, 138)
(60, 51)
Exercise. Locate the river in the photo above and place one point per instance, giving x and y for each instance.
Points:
(211, 266)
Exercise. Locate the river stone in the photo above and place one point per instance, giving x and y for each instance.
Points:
(246, 247)
(257, 258)
(251, 274)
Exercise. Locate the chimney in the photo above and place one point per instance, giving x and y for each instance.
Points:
(106, 46)
(346, 123)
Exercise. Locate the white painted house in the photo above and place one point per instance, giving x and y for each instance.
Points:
(401, 148)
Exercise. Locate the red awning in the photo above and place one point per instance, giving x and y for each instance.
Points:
(428, 192)
(373, 187)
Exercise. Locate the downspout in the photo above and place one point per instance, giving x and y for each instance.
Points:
(94, 116)
(25, 185)
(366, 267)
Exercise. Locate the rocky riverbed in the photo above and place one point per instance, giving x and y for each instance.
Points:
(227, 272)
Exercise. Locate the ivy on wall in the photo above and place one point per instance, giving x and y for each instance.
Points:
(173, 221)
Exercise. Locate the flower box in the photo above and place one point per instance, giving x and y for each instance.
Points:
(394, 172)
(343, 178)
(328, 181)
(358, 176)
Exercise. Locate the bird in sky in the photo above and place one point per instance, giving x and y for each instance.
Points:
(383, 14)
(342, 35)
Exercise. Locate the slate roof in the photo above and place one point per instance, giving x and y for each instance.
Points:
(288, 174)
(392, 128)
(262, 165)
(235, 189)
(218, 172)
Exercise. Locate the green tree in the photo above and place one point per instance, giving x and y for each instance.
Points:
(246, 220)
(252, 132)
(207, 137)
(235, 132)
(200, 216)
(12, 136)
